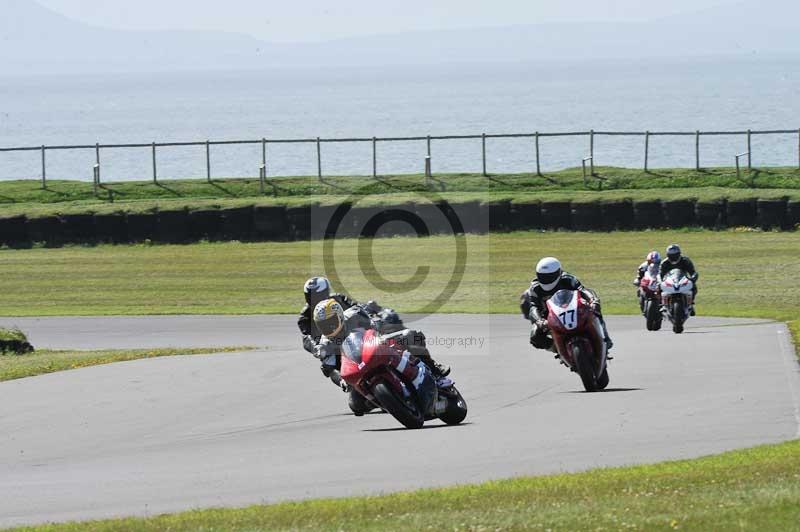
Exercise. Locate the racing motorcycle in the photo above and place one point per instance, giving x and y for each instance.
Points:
(676, 297)
(578, 338)
(650, 298)
(388, 375)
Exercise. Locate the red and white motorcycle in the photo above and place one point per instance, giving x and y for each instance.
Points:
(388, 375)
(650, 298)
(578, 338)
(677, 299)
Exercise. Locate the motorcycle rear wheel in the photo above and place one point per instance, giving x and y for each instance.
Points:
(456, 409)
(411, 418)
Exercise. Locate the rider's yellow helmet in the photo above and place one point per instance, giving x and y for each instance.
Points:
(329, 317)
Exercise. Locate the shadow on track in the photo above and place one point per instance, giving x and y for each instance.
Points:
(609, 390)
(424, 427)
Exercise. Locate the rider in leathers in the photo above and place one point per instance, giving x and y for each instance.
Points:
(533, 303)
(385, 321)
(677, 261)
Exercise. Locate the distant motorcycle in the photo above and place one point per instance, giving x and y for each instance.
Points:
(387, 375)
(676, 297)
(578, 338)
(650, 298)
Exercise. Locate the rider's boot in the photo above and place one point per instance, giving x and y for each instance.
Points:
(437, 369)
(606, 337)
(358, 404)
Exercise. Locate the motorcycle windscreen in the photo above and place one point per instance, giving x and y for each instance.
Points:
(676, 275)
(353, 345)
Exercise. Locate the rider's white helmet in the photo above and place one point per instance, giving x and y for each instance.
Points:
(548, 272)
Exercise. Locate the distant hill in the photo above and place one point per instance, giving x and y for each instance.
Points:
(36, 40)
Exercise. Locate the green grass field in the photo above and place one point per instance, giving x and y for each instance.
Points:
(742, 273)
(756, 489)
(61, 196)
(41, 362)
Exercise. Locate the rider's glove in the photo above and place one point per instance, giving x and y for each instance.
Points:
(636, 282)
(594, 305)
(309, 344)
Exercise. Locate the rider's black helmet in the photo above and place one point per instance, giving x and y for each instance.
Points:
(315, 290)
(674, 253)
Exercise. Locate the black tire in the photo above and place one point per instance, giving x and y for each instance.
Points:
(456, 409)
(408, 416)
(653, 315)
(678, 315)
(602, 380)
(585, 363)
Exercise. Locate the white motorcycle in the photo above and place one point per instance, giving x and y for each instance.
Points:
(676, 298)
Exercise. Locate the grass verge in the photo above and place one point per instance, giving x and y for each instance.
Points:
(754, 489)
(64, 197)
(42, 362)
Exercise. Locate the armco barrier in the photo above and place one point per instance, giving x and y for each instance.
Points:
(771, 213)
(111, 228)
(741, 213)
(679, 213)
(14, 232)
(710, 214)
(526, 216)
(647, 214)
(237, 223)
(587, 216)
(172, 227)
(45, 230)
(205, 224)
(299, 221)
(141, 226)
(278, 223)
(556, 215)
(78, 228)
(498, 215)
(618, 214)
(793, 213)
(270, 223)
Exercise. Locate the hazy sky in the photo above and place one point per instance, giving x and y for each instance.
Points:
(307, 20)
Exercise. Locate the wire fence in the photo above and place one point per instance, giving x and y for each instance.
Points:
(428, 164)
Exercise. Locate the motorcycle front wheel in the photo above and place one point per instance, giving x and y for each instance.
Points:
(678, 316)
(653, 315)
(456, 408)
(408, 414)
(584, 360)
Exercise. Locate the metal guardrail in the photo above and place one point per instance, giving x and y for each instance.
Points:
(483, 137)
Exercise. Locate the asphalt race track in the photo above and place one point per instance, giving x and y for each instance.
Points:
(159, 435)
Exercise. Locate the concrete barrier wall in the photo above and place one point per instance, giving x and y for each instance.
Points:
(278, 223)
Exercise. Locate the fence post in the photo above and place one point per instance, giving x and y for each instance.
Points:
(646, 149)
(798, 148)
(319, 160)
(697, 150)
(749, 152)
(262, 175)
(737, 168)
(483, 150)
(155, 168)
(97, 153)
(44, 169)
(96, 177)
(538, 166)
(374, 158)
(264, 155)
(591, 150)
(208, 161)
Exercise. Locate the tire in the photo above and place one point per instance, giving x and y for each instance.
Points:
(411, 418)
(678, 316)
(653, 315)
(583, 359)
(602, 380)
(456, 409)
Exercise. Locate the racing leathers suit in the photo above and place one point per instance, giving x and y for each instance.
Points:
(533, 305)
